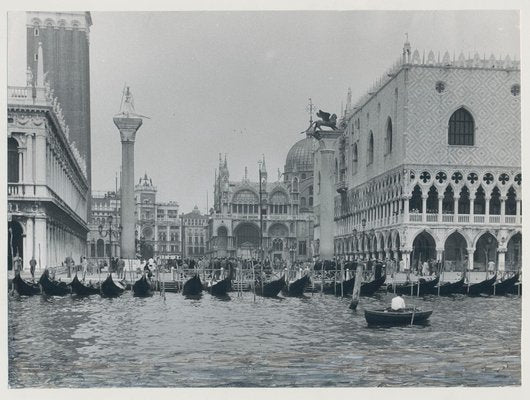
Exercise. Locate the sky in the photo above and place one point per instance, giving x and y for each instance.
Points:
(238, 83)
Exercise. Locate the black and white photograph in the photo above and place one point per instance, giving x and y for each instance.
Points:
(263, 198)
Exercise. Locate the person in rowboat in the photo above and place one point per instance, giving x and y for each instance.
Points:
(397, 303)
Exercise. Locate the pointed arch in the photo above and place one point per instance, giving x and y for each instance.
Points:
(370, 149)
(461, 128)
(388, 136)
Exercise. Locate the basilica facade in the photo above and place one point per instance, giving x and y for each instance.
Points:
(428, 165)
(282, 229)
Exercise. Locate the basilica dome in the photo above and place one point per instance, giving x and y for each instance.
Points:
(300, 157)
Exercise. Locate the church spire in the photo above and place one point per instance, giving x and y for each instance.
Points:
(406, 50)
(40, 67)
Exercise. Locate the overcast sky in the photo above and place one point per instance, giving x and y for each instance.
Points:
(202, 77)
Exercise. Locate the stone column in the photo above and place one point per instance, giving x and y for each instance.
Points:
(406, 209)
(503, 208)
(518, 208)
(470, 255)
(471, 209)
(455, 207)
(440, 206)
(326, 205)
(29, 159)
(501, 265)
(40, 163)
(406, 257)
(41, 242)
(487, 209)
(128, 126)
(439, 254)
(424, 207)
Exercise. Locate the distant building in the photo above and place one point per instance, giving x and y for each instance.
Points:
(194, 226)
(157, 223)
(47, 187)
(287, 219)
(430, 161)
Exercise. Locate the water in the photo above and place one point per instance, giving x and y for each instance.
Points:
(314, 341)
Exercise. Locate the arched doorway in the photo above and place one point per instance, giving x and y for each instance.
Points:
(514, 252)
(485, 251)
(247, 240)
(100, 248)
(222, 238)
(455, 252)
(423, 249)
(15, 242)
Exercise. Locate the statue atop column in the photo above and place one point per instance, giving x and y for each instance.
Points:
(326, 119)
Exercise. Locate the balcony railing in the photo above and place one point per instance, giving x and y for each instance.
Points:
(435, 218)
(16, 189)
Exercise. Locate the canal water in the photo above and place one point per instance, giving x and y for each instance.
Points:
(236, 342)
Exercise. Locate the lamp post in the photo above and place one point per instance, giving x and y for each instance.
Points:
(110, 232)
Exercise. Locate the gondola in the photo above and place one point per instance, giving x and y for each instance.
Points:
(53, 287)
(23, 287)
(369, 288)
(448, 288)
(81, 289)
(296, 289)
(476, 289)
(109, 288)
(504, 287)
(407, 316)
(143, 287)
(425, 287)
(272, 288)
(192, 287)
(220, 288)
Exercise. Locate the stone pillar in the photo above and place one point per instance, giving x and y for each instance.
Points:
(440, 206)
(501, 264)
(41, 242)
(424, 207)
(439, 254)
(28, 176)
(503, 208)
(406, 257)
(470, 255)
(128, 126)
(326, 204)
(471, 209)
(455, 207)
(405, 209)
(487, 209)
(518, 207)
(29, 245)
(40, 163)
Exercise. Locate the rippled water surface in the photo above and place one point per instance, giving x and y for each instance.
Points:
(314, 341)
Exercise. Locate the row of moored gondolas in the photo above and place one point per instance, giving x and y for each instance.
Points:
(144, 287)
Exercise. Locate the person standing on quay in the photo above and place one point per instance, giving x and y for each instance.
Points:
(84, 266)
(32, 265)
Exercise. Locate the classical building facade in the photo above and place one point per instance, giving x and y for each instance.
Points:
(194, 233)
(157, 223)
(286, 223)
(429, 164)
(47, 186)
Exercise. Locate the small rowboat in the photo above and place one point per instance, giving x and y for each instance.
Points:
(271, 289)
(192, 287)
(25, 288)
(83, 290)
(405, 316)
(220, 288)
(53, 287)
(296, 289)
(109, 288)
(143, 287)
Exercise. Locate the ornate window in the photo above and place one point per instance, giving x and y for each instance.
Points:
(388, 137)
(370, 151)
(12, 161)
(354, 159)
(461, 128)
